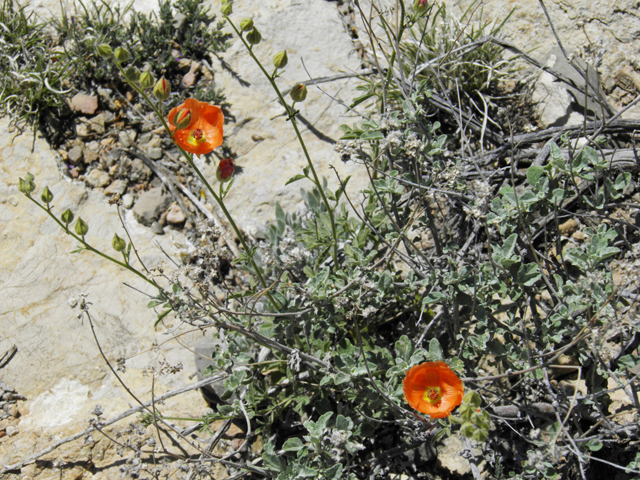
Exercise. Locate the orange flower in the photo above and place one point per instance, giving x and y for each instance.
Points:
(204, 132)
(433, 388)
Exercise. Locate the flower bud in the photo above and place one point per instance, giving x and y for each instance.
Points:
(104, 50)
(224, 172)
(182, 118)
(246, 25)
(254, 37)
(118, 243)
(121, 54)
(81, 227)
(26, 186)
(46, 195)
(146, 80)
(132, 74)
(67, 217)
(226, 9)
(299, 92)
(420, 6)
(162, 89)
(280, 59)
(29, 177)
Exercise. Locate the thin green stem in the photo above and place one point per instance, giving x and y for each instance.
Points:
(141, 92)
(291, 113)
(91, 249)
(232, 222)
(218, 199)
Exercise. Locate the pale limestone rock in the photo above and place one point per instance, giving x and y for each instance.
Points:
(606, 33)
(127, 201)
(116, 187)
(75, 155)
(58, 405)
(58, 366)
(98, 178)
(150, 205)
(302, 29)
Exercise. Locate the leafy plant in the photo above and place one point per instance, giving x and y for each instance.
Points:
(34, 73)
(441, 260)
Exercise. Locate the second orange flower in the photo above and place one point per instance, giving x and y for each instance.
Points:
(202, 132)
(433, 388)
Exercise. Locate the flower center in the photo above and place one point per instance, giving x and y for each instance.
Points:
(196, 137)
(432, 395)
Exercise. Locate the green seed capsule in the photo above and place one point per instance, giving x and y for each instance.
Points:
(67, 217)
(81, 227)
(118, 243)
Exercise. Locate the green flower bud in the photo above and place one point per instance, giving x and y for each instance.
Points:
(117, 243)
(420, 6)
(246, 25)
(132, 74)
(67, 217)
(46, 195)
(146, 80)
(29, 177)
(254, 37)
(299, 92)
(162, 90)
(182, 118)
(104, 50)
(280, 59)
(226, 9)
(121, 54)
(467, 430)
(81, 227)
(26, 186)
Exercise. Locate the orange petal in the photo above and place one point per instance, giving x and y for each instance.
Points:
(433, 374)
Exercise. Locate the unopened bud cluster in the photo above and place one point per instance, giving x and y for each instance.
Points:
(226, 8)
(161, 88)
(26, 185)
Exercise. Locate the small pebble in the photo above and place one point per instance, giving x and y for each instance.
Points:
(175, 215)
(84, 103)
(157, 228)
(127, 201)
(75, 155)
(155, 153)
